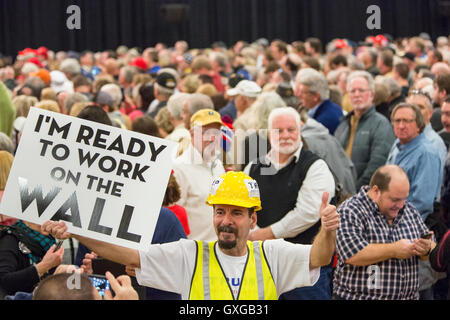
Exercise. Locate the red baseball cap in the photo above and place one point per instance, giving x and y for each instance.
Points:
(340, 44)
(381, 40)
(42, 51)
(140, 63)
(36, 62)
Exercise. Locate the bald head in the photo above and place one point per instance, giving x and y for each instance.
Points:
(66, 286)
(389, 189)
(111, 66)
(385, 175)
(440, 68)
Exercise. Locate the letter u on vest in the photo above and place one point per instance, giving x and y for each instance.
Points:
(209, 281)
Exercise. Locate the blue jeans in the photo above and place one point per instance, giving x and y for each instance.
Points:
(320, 291)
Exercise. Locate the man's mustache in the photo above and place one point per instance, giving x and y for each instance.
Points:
(227, 229)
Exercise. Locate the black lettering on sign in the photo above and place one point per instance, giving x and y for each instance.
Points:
(94, 224)
(55, 127)
(139, 151)
(74, 217)
(125, 223)
(87, 157)
(155, 152)
(84, 134)
(26, 198)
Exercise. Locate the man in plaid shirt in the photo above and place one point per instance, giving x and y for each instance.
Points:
(379, 241)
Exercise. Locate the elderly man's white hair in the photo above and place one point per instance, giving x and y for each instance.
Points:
(423, 82)
(175, 104)
(115, 92)
(284, 111)
(429, 89)
(392, 85)
(70, 66)
(198, 101)
(361, 74)
(315, 81)
(29, 67)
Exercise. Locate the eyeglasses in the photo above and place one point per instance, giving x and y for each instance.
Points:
(405, 121)
(420, 93)
(300, 93)
(359, 90)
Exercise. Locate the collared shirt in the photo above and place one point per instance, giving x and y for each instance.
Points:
(195, 177)
(312, 112)
(179, 133)
(437, 142)
(361, 224)
(421, 162)
(306, 212)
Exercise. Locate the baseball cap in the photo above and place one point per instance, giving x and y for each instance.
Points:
(140, 63)
(44, 74)
(60, 82)
(246, 88)
(235, 79)
(204, 117)
(410, 56)
(166, 80)
(188, 58)
(36, 61)
(340, 44)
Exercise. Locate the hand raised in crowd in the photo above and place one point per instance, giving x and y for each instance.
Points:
(87, 262)
(328, 214)
(50, 260)
(68, 268)
(56, 229)
(122, 288)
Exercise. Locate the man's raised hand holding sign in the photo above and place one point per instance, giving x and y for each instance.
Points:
(105, 183)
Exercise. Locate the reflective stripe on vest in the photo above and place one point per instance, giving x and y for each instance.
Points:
(209, 281)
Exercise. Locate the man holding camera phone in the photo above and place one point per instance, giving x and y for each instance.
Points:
(380, 240)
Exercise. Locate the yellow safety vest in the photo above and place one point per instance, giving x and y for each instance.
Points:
(210, 283)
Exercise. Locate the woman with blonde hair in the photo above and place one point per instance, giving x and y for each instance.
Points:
(6, 160)
(23, 104)
(26, 255)
(207, 89)
(48, 105)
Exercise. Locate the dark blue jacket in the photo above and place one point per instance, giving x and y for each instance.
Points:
(229, 110)
(329, 114)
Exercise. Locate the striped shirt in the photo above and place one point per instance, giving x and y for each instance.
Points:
(362, 224)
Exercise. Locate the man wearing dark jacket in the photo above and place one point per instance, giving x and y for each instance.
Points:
(311, 87)
(365, 134)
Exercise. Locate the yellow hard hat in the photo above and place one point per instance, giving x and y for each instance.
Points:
(235, 188)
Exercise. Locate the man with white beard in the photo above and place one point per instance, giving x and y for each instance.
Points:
(196, 169)
(291, 180)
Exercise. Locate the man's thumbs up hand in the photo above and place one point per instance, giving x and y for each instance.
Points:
(328, 214)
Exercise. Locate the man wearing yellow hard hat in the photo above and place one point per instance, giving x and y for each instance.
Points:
(231, 267)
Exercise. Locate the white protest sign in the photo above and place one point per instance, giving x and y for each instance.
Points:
(106, 183)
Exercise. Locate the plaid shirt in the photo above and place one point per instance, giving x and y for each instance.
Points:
(362, 224)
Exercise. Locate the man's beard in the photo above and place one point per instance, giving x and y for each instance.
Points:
(211, 152)
(287, 149)
(227, 245)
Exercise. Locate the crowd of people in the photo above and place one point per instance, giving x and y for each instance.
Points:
(340, 150)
